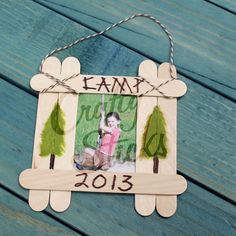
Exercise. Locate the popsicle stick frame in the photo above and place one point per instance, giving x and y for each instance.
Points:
(53, 177)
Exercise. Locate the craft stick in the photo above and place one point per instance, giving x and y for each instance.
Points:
(167, 205)
(100, 84)
(144, 205)
(38, 199)
(60, 200)
(100, 181)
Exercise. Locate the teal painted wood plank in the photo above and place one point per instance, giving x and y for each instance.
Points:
(229, 5)
(199, 212)
(16, 218)
(206, 121)
(204, 42)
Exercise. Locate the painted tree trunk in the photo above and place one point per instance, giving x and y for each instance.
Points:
(155, 164)
(52, 161)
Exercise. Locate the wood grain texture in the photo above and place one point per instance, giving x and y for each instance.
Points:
(99, 181)
(38, 199)
(17, 217)
(198, 212)
(60, 200)
(205, 119)
(144, 205)
(201, 37)
(167, 205)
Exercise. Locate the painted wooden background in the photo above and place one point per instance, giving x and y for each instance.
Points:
(204, 34)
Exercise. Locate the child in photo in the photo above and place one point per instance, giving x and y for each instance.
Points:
(109, 133)
(109, 126)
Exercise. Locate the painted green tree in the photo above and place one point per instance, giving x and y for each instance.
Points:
(154, 138)
(52, 137)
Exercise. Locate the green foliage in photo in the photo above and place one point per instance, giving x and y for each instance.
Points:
(88, 118)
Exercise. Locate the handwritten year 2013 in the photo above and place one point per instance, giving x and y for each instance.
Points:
(100, 181)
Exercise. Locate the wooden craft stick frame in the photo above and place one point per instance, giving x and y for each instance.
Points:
(153, 87)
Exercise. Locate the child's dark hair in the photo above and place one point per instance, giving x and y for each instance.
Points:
(115, 114)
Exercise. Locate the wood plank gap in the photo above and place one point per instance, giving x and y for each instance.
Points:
(46, 212)
(17, 85)
(205, 85)
(88, 26)
(220, 6)
(83, 233)
(207, 188)
(188, 178)
(135, 50)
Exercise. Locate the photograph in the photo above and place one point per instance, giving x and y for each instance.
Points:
(106, 133)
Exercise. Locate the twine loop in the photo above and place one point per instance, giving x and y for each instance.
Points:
(63, 82)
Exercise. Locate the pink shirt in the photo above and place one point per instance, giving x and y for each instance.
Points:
(109, 141)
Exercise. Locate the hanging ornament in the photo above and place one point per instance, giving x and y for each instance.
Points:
(53, 174)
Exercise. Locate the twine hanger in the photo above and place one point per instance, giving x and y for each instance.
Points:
(63, 82)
